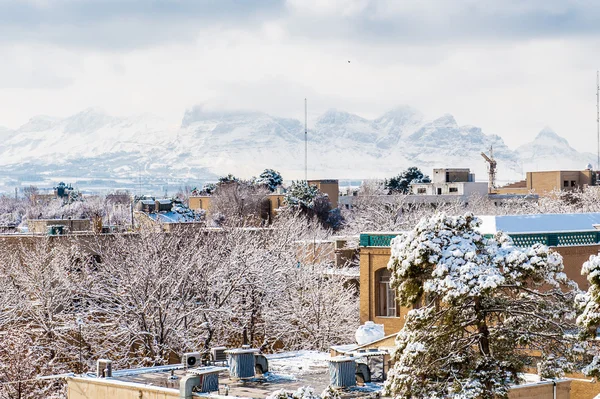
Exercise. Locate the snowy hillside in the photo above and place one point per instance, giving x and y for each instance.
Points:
(100, 150)
(547, 149)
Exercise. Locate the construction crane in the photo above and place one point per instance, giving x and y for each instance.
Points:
(491, 169)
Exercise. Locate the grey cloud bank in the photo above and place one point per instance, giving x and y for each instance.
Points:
(508, 66)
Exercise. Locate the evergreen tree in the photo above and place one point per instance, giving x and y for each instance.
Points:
(301, 194)
(589, 319)
(401, 183)
(482, 307)
(271, 178)
(308, 199)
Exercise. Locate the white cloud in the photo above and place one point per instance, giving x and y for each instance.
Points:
(425, 54)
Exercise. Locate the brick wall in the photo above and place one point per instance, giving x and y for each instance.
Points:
(371, 260)
(542, 390)
(573, 258)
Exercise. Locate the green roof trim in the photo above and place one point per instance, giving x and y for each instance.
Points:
(521, 240)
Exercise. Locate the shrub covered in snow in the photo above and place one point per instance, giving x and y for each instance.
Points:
(270, 178)
(481, 301)
(305, 393)
(589, 318)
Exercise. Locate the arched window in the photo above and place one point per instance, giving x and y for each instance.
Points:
(385, 295)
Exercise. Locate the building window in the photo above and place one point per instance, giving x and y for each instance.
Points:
(386, 296)
(573, 183)
(421, 190)
(453, 189)
(566, 183)
(439, 191)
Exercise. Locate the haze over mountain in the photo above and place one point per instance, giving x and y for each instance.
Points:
(100, 151)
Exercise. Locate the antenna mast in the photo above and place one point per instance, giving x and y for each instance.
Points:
(306, 141)
(598, 117)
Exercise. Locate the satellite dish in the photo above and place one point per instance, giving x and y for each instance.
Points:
(589, 166)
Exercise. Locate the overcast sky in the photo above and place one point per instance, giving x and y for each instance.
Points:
(508, 66)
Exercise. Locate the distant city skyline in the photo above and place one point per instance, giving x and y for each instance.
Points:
(509, 67)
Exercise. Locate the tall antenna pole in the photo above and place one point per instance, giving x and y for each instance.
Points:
(598, 116)
(306, 141)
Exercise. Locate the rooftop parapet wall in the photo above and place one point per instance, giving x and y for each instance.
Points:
(523, 240)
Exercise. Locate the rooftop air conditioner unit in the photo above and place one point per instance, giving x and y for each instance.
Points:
(191, 359)
(218, 354)
(104, 368)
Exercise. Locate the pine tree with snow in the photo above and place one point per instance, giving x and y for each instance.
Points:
(271, 178)
(301, 194)
(401, 183)
(481, 306)
(589, 319)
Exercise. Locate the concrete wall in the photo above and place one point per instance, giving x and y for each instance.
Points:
(463, 188)
(199, 202)
(542, 390)
(582, 387)
(445, 175)
(473, 188)
(99, 388)
(73, 225)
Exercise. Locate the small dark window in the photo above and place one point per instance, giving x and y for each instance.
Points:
(439, 191)
(421, 191)
(573, 183)
(453, 189)
(566, 183)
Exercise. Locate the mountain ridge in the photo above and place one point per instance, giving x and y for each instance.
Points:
(208, 143)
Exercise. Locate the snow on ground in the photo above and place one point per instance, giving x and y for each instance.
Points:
(308, 368)
(299, 363)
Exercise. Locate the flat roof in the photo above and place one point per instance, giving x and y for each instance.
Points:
(287, 370)
(541, 223)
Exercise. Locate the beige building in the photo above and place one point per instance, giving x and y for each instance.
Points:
(199, 202)
(572, 235)
(451, 181)
(276, 199)
(545, 182)
(330, 187)
(59, 226)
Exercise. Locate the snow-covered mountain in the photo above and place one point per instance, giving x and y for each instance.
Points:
(547, 149)
(100, 150)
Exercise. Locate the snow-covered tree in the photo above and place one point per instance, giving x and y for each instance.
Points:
(240, 203)
(482, 307)
(227, 179)
(271, 178)
(401, 183)
(589, 318)
(301, 194)
(307, 199)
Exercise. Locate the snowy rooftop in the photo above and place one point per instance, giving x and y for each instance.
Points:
(542, 223)
(287, 370)
(169, 217)
(552, 229)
